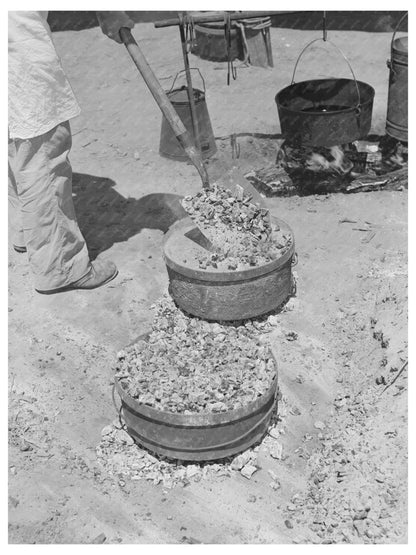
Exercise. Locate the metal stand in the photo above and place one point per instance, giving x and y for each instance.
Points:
(190, 88)
(185, 21)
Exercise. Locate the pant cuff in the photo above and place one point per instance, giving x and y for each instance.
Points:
(80, 265)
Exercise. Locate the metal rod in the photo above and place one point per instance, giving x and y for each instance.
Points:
(190, 89)
(212, 17)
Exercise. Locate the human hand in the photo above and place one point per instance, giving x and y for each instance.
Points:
(112, 22)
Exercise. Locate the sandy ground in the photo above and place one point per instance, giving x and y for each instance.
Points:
(62, 347)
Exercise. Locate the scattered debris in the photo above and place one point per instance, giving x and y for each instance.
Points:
(272, 181)
(190, 539)
(100, 538)
(276, 450)
(241, 460)
(248, 470)
(13, 501)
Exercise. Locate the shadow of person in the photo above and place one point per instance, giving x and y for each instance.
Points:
(105, 217)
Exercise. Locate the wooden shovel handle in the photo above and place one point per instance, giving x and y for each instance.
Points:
(164, 104)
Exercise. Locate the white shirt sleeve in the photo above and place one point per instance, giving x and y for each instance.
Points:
(40, 95)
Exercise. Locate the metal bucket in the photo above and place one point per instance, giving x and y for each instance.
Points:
(169, 144)
(325, 112)
(198, 437)
(397, 119)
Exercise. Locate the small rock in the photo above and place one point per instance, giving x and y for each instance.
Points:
(319, 425)
(360, 526)
(100, 538)
(288, 524)
(274, 432)
(361, 515)
(273, 320)
(13, 501)
(241, 460)
(25, 446)
(273, 475)
(252, 498)
(190, 539)
(106, 430)
(124, 437)
(248, 470)
(276, 451)
(192, 470)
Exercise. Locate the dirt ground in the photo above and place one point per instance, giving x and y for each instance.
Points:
(344, 436)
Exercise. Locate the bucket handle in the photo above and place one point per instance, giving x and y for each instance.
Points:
(342, 54)
(389, 63)
(397, 28)
(183, 71)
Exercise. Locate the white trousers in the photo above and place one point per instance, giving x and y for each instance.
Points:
(41, 210)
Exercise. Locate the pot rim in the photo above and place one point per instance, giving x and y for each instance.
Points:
(352, 108)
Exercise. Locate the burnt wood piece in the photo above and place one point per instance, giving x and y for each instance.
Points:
(273, 181)
(394, 181)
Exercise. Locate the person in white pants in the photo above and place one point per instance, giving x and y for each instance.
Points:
(41, 103)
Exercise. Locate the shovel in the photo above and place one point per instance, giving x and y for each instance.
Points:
(233, 177)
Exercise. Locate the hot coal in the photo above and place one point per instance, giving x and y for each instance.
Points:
(191, 366)
(239, 229)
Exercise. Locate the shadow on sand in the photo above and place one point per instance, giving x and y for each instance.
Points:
(105, 217)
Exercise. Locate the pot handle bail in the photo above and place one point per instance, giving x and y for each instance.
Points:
(342, 54)
(183, 71)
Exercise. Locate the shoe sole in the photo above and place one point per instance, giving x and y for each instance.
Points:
(72, 288)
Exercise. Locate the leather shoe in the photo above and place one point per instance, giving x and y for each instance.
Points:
(100, 273)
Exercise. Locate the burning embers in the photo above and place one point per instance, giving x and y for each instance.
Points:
(336, 163)
(372, 164)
